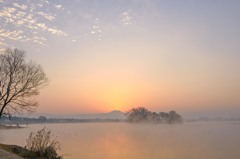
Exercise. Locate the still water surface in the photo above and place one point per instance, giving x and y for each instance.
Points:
(206, 140)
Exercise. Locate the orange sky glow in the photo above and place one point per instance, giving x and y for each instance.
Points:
(109, 56)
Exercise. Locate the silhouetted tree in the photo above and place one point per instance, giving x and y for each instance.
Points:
(19, 81)
(155, 117)
(141, 114)
(174, 117)
(164, 117)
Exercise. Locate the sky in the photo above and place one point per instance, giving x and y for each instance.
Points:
(104, 55)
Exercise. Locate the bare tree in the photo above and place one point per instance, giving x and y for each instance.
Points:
(19, 81)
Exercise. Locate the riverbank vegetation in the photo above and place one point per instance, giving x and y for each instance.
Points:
(40, 145)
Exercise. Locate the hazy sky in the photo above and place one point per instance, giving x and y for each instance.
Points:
(102, 55)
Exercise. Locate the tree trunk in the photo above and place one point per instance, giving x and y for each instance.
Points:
(1, 112)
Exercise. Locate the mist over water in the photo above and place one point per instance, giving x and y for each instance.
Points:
(198, 140)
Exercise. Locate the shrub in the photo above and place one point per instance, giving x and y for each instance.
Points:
(41, 146)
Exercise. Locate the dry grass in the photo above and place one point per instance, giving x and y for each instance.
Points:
(41, 145)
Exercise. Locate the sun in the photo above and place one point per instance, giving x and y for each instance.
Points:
(117, 100)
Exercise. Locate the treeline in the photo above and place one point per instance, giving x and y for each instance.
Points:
(43, 119)
(142, 115)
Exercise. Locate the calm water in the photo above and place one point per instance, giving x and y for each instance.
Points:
(208, 140)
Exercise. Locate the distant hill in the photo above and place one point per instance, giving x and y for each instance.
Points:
(116, 114)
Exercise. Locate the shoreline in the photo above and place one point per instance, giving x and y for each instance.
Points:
(10, 127)
(10, 151)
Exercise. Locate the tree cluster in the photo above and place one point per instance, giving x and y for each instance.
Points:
(142, 115)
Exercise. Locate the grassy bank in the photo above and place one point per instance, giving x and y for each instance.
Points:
(11, 152)
(39, 146)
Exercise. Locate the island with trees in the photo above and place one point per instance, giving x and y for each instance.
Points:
(142, 115)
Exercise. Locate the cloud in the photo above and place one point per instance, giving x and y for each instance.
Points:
(40, 5)
(47, 16)
(23, 7)
(42, 26)
(126, 19)
(58, 6)
(20, 21)
(7, 12)
(2, 41)
(57, 31)
(96, 29)
(20, 14)
(13, 35)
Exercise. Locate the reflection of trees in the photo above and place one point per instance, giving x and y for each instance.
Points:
(141, 114)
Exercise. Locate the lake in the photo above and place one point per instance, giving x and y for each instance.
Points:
(190, 140)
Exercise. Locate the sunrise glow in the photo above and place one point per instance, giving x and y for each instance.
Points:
(103, 56)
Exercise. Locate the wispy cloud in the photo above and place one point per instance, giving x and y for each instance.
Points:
(40, 5)
(19, 21)
(42, 26)
(47, 16)
(57, 31)
(58, 6)
(96, 29)
(126, 18)
(13, 35)
(23, 7)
